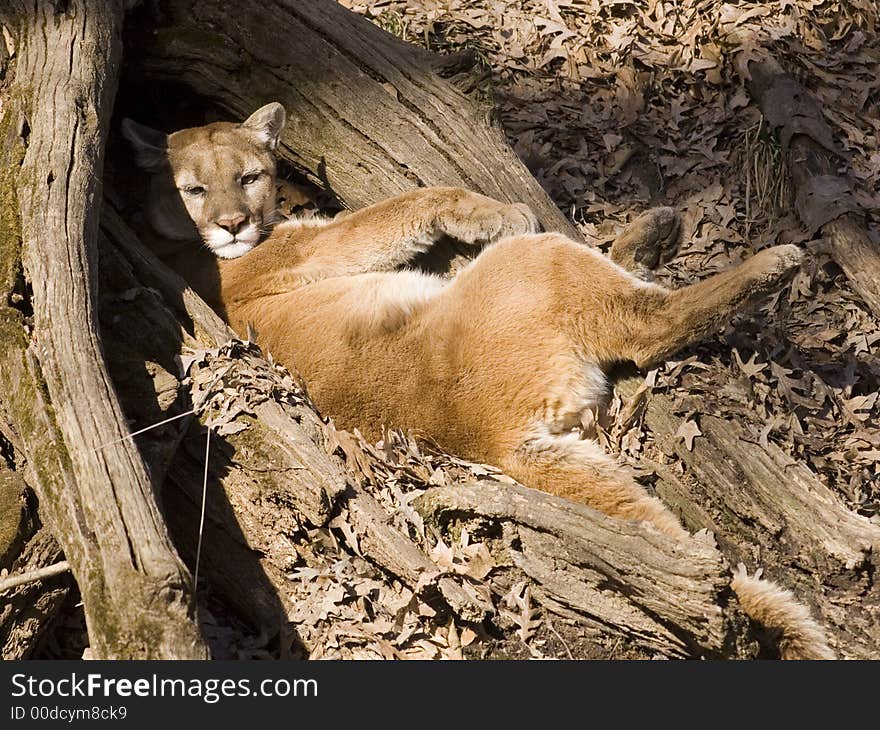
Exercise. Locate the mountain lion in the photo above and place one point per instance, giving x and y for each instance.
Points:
(498, 364)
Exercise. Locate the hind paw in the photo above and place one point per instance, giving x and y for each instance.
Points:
(649, 242)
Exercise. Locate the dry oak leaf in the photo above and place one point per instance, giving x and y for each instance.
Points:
(687, 432)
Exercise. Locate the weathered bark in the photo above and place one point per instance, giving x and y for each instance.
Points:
(818, 170)
(98, 501)
(612, 575)
(396, 553)
(769, 511)
(16, 516)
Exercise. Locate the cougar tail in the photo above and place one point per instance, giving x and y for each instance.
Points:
(777, 609)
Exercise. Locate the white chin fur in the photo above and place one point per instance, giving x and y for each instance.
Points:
(223, 244)
(232, 250)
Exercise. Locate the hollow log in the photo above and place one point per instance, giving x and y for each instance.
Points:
(98, 501)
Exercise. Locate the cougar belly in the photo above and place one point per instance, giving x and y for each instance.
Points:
(356, 343)
(407, 350)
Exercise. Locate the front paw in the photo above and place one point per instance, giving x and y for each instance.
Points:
(499, 220)
(523, 220)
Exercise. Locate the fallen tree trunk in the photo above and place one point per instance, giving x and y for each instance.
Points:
(824, 199)
(97, 499)
(769, 511)
(611, 575)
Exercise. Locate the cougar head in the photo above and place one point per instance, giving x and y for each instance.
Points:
(216, 181)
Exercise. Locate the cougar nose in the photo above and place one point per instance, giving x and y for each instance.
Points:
(231, 223)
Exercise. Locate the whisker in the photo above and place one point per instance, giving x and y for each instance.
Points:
(202, 516)
(145, 429)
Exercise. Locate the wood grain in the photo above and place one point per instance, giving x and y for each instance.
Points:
(99, 502)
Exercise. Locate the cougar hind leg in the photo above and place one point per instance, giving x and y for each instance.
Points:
(648, 242)
(579, 470)
(667, 321)
(660, 322)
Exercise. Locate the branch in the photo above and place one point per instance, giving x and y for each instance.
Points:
(818, 169)
(99, 504)
(33, 576)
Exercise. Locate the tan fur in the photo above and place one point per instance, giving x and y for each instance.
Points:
(776, 608)
(219, 178)
(496, 365)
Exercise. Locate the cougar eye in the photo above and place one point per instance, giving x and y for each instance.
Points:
(250, 178)
(194, 190)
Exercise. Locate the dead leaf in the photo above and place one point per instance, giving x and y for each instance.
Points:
(687, 432)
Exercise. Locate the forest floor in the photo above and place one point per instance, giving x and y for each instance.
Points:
(619, 106)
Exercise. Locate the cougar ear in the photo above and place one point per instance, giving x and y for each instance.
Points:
(266, 123)
(150, 145)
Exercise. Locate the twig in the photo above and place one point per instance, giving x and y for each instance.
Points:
(559, 636)
(144, 430)
(202, 515)
(33, 576)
